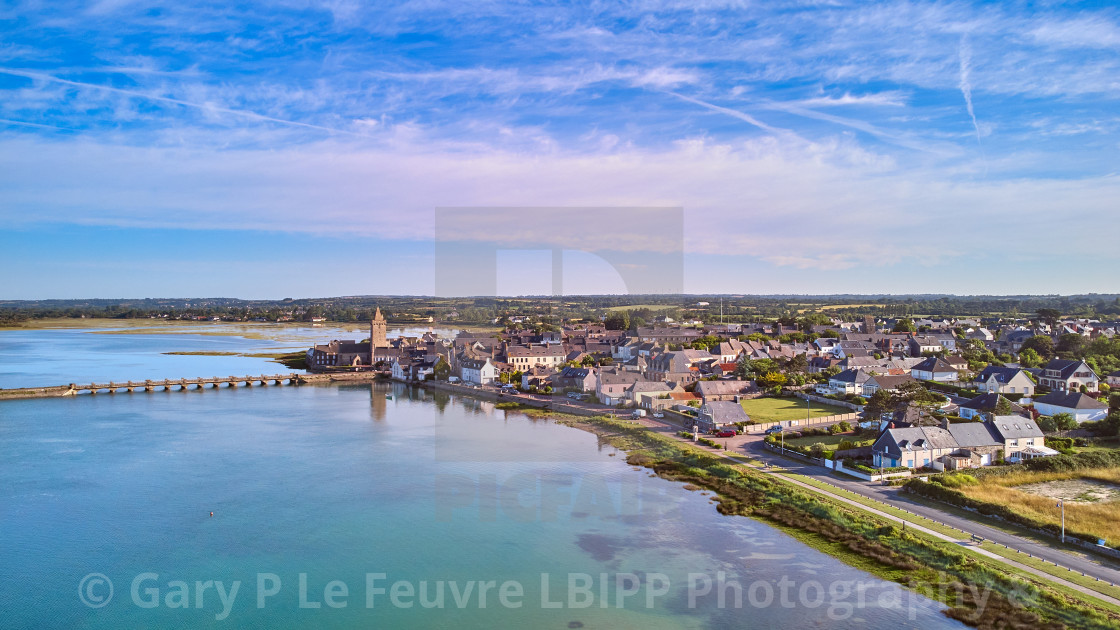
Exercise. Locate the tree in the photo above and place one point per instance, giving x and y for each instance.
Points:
(880, 402)
(441, 370)
(1003, 406)
(1065, 421)
(744, 369)
(1041, 344)
(772, 379)
(617, 320)
(1030, 358)
(1070, 345)
(797, 364)
(1050, 316)
(903, 325)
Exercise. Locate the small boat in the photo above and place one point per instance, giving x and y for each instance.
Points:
(388, 396)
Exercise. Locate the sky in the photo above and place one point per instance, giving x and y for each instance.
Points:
(299, 149)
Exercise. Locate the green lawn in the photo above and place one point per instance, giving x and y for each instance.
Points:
(764, 410)
(829, 440)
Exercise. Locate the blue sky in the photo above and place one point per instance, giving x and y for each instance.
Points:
(814, 147)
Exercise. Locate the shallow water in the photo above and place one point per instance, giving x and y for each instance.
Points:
(343, 484)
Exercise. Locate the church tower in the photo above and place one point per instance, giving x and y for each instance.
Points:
(377, 332)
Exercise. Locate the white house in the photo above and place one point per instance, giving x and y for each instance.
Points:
(478, 371)
(934, 369)
(1063, 375)
(1083, 408)
(1004, 380)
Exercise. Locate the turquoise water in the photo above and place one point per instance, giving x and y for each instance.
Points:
(337, 483)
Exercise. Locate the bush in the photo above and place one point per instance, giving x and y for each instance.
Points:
(1064, 445)
(844, 425)
(817, 450)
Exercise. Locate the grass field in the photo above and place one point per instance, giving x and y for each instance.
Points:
(829, 440)
(634, 307)
(1098, 518)
(780, 409)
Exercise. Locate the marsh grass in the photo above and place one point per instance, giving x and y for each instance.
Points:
(1098, 518)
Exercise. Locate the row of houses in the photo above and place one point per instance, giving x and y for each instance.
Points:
(954, 446)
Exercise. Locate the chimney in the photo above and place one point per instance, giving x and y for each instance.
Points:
(945, 423)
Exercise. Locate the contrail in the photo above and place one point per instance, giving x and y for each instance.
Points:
(747, 118)
(965, 85)
(174, 101)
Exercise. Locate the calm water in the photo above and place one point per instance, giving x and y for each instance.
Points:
(36, 358)
(342, 483)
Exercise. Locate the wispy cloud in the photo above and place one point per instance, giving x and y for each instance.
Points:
(206, 107)
(965, 84)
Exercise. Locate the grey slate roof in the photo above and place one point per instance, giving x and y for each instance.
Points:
(1001, 374)
(1014, 427)
(974, 434)
(1076, 400)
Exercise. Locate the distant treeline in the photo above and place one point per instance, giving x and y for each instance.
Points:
(554, 310)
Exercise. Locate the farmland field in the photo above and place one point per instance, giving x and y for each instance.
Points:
(780, 409)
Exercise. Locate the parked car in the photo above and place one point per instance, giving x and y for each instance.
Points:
(658, 414)
(773, 430)
(727, 433)
(639, 413)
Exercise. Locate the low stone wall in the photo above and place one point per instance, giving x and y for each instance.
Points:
(794, 424)
(830, 401)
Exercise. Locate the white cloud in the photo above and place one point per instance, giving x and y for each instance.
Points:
(814, 206)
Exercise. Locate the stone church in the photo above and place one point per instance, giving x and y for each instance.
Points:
(351, 352)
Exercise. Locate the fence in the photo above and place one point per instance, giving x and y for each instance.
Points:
(759, 428)
(830, 401)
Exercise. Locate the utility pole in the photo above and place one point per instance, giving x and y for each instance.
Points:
(1062, 504)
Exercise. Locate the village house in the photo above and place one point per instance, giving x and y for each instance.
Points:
(1062, 375)
(523, 357)
(885, 382)
(720, 414)
(537, 377)
(987, 404)
(648, 394)
(478, 371)
(668, 335)
(847, 382)
(1114, 379)
(960, 445)
(572, 378)
(934, 369)
(723, 390)
(1004, 380)
(1083, 408)
(925, 344)
(611, 385)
